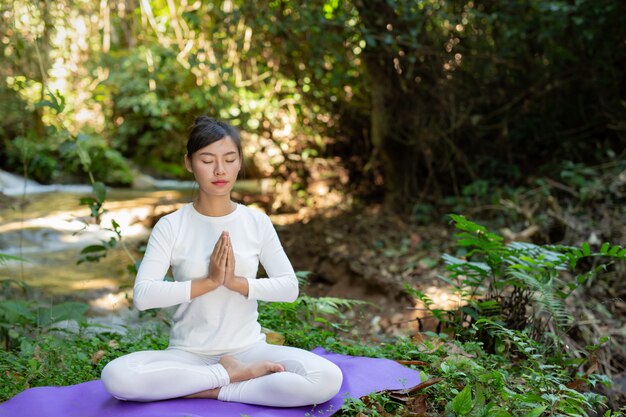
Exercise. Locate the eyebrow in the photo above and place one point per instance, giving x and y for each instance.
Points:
(212, 154)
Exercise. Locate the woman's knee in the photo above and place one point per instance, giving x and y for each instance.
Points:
(118, 381)
(329, 383)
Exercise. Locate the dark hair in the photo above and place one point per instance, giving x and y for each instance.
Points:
(207, 130)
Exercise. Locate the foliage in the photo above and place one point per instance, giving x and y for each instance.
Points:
(309, 321)
(90, 153)
(474, 382)
(487, 90)
(423, 70)
(55, 151)
(23, 318)
(151, 104)
(37, 158)
(63, 358)
(41, 346)
(513, 309)
(91, 161)
(522, 285)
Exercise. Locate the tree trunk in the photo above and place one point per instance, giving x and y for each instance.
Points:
(396, 131)
(396, 136)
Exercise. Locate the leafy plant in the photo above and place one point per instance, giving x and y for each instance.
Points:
(90, 157)
(309, 321)
(64, 358)
(24, 319)
(520, 284)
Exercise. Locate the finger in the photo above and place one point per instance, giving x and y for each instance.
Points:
(231, 251)
(223, 252)
(231, 255)
(217, 249)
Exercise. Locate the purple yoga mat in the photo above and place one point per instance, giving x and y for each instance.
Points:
(89, 399)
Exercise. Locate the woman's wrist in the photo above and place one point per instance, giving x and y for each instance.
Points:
(203, 286)
(238, 284)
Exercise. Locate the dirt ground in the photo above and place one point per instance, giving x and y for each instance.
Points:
(370, 256)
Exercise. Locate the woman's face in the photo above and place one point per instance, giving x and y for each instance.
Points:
(215, 166)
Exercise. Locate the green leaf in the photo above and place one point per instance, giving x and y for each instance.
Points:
(586, 249)
(605, 247)
(614, 250)
(57, 104)
(71, 310)
(87, 201)
(499, 413)
(16, 311)
(4, 258)
(478, 407)
(462, 403)
(100, 190)
(92, 249)
(84, 157)
(537, 411)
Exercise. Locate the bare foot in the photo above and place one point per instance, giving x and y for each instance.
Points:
(241, 371)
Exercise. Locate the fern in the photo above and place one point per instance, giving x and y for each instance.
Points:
(517, 283)
(543, 298)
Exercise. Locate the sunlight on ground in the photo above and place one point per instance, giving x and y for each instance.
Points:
(417, 318)
(57, 272)
(112, 301)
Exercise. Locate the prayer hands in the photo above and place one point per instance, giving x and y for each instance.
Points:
(229, 276)
(222, 267)
(219, 260)
(232, 281)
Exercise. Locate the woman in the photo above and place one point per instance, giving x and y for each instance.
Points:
(213, 247)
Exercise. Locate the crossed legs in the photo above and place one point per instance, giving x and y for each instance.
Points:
(264, 374)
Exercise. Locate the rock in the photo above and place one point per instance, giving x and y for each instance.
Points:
(273, 337)
(142, 181)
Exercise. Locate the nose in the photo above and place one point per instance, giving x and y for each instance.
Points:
(219, 168)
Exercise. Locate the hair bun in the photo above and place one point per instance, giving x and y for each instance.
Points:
(202, 119)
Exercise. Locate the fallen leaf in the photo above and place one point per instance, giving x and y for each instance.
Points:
(95, 358)
(417, 405)
(577, 385)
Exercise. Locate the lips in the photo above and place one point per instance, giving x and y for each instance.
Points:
(219, 183)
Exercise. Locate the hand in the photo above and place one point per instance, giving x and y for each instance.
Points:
(229, 276)
(218, 260)
(231, 281)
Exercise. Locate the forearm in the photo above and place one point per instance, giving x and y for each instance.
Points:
(238, 284)
(202, 286)
(283, 289)
(158, 294)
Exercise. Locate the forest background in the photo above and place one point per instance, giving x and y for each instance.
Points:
(402, 111)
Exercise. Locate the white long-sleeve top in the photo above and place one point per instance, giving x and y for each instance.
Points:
(220, 321)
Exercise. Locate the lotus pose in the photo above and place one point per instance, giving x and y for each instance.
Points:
(213, 247)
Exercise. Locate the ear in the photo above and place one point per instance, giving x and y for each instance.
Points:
(188, 163)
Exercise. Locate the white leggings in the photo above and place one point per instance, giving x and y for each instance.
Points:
(163, 374)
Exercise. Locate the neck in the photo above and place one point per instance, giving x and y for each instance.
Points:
(214, 206)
